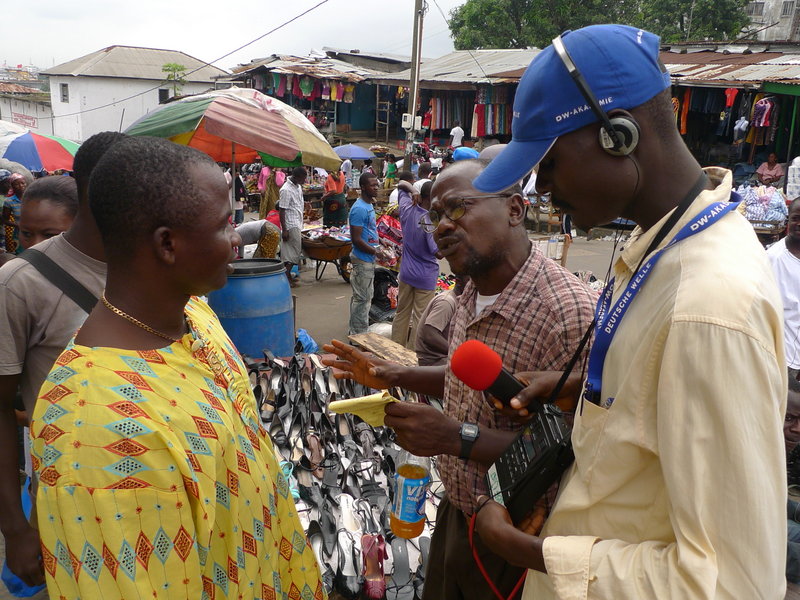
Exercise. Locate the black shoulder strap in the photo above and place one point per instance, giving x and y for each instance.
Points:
(61, 279)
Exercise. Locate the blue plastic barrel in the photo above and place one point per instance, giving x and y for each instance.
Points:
(255, 307)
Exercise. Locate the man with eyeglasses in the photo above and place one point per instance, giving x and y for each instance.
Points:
(527, 308)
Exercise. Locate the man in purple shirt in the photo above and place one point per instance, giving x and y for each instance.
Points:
(419, 268)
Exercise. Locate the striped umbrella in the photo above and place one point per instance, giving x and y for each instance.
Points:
(37, 151)
(240, 124)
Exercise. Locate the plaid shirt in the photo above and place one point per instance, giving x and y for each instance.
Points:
(291, 200)
(535, 324)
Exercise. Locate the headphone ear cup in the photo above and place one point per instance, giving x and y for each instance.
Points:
(627, 130)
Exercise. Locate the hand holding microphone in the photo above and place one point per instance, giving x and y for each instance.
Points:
(481, 368)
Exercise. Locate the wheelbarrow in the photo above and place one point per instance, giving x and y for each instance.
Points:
(325, 250)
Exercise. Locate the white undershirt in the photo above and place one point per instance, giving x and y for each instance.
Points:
(483, 302)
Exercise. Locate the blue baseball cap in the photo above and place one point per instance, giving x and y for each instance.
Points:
(623, 70)
(464, 153)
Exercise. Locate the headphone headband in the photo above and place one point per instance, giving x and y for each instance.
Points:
(586, 92)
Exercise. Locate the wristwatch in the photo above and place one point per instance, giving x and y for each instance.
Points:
(469, 435)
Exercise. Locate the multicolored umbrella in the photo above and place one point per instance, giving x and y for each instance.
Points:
(240, 124)
(353, 152)
(37, 151)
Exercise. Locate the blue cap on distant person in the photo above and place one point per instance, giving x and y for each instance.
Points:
(623, 70)
(464, 153)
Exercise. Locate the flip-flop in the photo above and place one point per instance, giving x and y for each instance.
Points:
(401, 586)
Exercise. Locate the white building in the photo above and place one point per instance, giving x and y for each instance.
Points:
(110, 89)
(775, 20)
(25, 106)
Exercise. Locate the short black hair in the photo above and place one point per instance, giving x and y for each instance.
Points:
(424, 170)
(660, 114)
(365, 177)
(58, 189)
(425, 190)
(367, 161)
(299, 172)
(793, 203)
(141, 184)
(89, 154)
(406, 176)
(794, 384)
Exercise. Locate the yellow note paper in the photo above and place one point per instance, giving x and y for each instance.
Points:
(368, 408)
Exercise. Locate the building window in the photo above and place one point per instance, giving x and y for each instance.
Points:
(163, 96)
(787, 9)
(65, 92)
(755, 9)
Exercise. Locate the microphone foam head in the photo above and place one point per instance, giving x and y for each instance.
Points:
(476, 364)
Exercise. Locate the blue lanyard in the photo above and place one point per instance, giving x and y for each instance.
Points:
(607, 322)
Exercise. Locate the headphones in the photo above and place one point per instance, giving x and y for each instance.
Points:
(619, 136)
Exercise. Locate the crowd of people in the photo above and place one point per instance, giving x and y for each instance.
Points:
(153, 473)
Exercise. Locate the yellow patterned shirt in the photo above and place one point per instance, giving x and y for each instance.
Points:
(157, 479)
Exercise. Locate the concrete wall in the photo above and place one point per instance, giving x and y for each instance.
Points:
(117, 103)
(35, 116)
(780, 25)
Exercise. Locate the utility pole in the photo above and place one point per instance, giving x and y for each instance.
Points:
(420, 6)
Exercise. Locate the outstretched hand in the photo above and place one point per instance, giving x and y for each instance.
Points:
(366, 369)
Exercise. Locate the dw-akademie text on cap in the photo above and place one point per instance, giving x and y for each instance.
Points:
(622, 68)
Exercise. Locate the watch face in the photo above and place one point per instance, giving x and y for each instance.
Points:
(469, 431)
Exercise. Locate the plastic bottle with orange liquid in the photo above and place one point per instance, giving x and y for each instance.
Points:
(412, 478)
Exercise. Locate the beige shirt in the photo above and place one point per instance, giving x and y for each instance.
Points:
(36, 318)
(678, 490)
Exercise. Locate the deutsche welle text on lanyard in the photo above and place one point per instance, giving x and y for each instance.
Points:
(608, 321)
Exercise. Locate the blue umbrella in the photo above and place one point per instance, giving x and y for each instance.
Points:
(353, 152)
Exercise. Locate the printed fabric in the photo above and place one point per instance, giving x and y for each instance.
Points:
(157, 479)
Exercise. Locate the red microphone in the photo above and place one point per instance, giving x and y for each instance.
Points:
(481, 368)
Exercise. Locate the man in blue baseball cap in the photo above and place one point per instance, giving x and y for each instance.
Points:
(675, 491)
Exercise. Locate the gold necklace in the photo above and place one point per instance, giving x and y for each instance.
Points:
(134, 320)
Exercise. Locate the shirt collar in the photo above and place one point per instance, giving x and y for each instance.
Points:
(515, 294)
(640, 240)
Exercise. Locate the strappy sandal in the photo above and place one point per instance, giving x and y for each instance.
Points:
(373, 549)
(401, 586)
(347, 577)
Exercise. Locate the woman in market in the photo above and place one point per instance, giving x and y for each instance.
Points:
(160, 461)
(334, 200)
(11, 212)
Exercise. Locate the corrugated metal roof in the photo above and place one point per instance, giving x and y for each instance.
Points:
(469, 67)
(132, 62)
(717, 69)
(385, 56)
(13, 88)
(321, 68)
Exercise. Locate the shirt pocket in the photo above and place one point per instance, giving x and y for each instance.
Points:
(587, 438)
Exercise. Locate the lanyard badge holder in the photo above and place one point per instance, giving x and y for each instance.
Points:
(543, 451)
(608, 318)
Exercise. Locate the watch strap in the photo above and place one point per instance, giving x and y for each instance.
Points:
(467, 443)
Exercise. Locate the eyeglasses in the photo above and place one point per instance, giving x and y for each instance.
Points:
(431, 221)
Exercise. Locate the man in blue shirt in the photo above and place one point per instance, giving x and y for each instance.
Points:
(364, 234)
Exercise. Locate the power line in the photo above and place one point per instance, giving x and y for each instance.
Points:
(204, 65)
(446, 20)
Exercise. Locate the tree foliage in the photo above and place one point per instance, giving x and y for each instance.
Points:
(524, 23)
(175, 74)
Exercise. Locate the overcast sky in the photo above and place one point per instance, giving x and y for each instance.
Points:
(50, 32)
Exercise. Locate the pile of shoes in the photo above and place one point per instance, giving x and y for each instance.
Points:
(340, 472)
